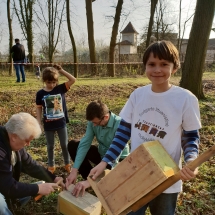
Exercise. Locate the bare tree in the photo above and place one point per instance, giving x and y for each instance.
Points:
(181, 39)
(179, 26)
(10, 59)
(24, 13)
(53, 23)
(71, 38)
(163, 26)
(91, 41)
(192, 70)
(111, 67)
(151, 21)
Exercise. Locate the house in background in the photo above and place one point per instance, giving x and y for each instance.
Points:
(210, 54)
(128, 44)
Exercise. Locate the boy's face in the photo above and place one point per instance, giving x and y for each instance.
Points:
(159, 73)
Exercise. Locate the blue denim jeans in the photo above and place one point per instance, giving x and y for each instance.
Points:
(164, 204)
(63, 137)
(19, 68)
(3, 206)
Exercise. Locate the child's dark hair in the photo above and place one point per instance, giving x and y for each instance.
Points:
(96, 109)
(50, 74)
(163, 50)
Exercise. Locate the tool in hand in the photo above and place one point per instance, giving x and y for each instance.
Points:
(40, 195)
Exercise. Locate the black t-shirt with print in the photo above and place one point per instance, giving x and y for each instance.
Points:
(55, 114)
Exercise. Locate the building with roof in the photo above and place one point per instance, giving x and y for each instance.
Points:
(210, 54)
(128, 44)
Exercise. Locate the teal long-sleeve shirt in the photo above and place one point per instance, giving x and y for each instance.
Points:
(104, 137)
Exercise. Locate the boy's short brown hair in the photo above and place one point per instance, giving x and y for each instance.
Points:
(163, 50)
(96, 109)
(50, 74)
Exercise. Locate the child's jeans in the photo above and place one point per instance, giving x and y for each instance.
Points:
(63, 137)
(164, 204)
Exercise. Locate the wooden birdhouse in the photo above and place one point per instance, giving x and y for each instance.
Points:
(139, 173)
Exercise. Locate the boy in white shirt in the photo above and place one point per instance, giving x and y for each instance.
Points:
(159, 111)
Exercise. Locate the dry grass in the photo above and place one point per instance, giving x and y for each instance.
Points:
(198, 197)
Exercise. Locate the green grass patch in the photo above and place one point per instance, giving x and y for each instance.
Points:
(198, 195)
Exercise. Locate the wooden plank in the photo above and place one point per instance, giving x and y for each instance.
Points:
(142, 182)
(98, 193)
(69, 204)
(124, 170)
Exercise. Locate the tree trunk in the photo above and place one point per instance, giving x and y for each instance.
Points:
(25, 17)
(151, 21)
(192, 70)
(179, 28)
(72, 39)
(111, 67)
(10, 59)
(29, 32)
(54, 18)
(91, 41)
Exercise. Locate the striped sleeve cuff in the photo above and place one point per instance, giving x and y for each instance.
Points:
(121, 138)
(190, 144)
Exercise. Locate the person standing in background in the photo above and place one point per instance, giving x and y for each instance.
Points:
(18, 55)
(37, 73)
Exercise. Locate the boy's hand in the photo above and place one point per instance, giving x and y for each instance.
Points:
(71, 179)
(97, 170)
(187, 174)
(80, 188)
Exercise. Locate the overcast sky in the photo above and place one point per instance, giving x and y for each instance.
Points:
(138, 11)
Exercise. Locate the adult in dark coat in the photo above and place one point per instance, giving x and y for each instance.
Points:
(18, 55)
(14, 136)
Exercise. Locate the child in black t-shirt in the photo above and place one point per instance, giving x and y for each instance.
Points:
(51, 109)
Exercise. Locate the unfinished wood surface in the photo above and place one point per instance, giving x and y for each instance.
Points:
(93, 184)
(143, 170)
(170, 181)
(165, 162)
(70, 205)
(141, 158)
(123, 171)
(134, 188)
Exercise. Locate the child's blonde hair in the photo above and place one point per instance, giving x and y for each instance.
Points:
(163, 50)
(50, 74)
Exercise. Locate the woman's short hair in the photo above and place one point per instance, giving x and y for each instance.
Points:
(24, 125)
(50, 74)
(96, 109)
(163, 50)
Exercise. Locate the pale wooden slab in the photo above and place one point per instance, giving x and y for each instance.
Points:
(70, 205)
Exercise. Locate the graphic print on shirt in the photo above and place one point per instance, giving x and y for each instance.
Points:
(53, 106)
(146, 125)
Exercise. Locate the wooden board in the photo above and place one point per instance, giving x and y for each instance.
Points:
(70, 205)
